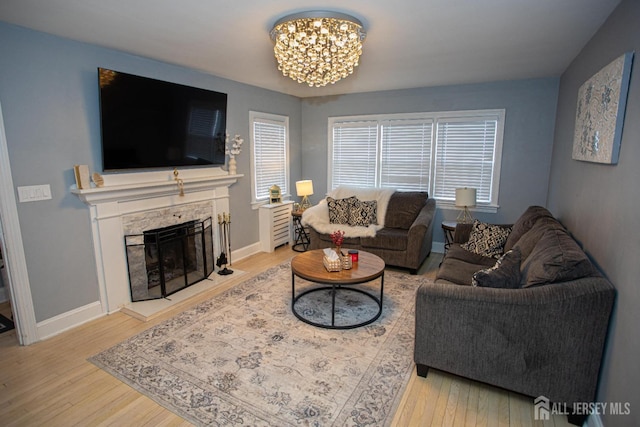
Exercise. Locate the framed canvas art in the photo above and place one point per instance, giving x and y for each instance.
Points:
(600, 113)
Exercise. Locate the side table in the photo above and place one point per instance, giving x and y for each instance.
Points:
(449, 228)
(301, 237)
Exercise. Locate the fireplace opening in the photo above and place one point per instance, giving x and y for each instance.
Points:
(168, 259)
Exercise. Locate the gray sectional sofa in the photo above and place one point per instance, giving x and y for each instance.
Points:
(535, 324)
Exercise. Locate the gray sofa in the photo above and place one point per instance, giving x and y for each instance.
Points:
(407, 237)
(537, 326)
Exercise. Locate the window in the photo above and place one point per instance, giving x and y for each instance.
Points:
(269, 155)
(434, 152)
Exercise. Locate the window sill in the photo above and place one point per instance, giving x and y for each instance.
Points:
(478, 208)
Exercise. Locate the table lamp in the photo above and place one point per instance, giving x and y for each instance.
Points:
(304, 189)
(465, 197)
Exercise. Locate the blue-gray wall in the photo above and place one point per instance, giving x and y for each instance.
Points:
(49, 96)
(600, 204)
(528, 134)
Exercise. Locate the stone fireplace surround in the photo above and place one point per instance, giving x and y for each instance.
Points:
(130, 203)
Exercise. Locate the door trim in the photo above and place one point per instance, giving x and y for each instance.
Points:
(13, 250)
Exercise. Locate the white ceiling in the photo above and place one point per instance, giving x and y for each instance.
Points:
(410, 43)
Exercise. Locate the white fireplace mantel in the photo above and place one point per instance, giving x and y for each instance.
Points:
(135, 193)
(129, 189)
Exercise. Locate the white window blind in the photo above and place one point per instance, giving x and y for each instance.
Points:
(270, 165)
(406, 154)
(465, 152)
(355, 154)
(433, 152)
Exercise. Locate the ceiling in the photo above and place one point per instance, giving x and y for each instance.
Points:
(410, 43)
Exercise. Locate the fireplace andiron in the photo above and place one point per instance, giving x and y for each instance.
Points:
(224, 233)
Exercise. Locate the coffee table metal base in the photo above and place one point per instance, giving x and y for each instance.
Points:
(335, 288)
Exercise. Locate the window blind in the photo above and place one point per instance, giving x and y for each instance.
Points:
(406, 154)
(465, 152)
(355, 154)
(270, 157)
(435, 152)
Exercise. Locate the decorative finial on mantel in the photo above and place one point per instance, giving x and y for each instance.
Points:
(179, 181)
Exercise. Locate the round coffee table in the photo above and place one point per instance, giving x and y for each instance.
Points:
(309, 266)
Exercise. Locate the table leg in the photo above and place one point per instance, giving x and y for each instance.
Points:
(333, 305)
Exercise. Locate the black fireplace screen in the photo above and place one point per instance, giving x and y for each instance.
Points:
(166, 260)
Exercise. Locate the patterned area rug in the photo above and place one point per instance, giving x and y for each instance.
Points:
(243, 358)
(6, 325)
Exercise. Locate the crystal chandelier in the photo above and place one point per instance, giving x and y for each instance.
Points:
(316, 47)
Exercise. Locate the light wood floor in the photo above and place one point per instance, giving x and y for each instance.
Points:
(51, 383)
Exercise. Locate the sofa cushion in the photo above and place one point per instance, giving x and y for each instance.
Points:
(456, 251)
(487, 239)
(363, 213)
(403, 208)
(393, 239)
(504, 274)
(346, 243)
(457, 271)
(555, 258)
(528, 241)
(340, 209)
(525, 223)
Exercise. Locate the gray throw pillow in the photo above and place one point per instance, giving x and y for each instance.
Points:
(505, 274)
(555, 258)
(524, 224)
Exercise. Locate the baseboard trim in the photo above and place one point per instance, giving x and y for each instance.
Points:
(437, 247)
(69, 320)
(76, 317)
(245, 252)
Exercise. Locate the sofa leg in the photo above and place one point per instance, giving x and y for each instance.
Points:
(577, 419)
(422, 370)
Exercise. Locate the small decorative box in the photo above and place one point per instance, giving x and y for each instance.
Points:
(346, 262)
(332, 265)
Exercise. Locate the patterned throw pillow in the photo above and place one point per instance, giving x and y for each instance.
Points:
(505, 274)
(487, 239)
(340, 209)
(364, 213)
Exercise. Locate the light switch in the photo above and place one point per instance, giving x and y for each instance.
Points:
(33, 193)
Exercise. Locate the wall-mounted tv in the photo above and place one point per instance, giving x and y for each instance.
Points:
(150, 124)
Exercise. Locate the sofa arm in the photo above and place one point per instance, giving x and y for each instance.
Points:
(546, 340)
(420, 235)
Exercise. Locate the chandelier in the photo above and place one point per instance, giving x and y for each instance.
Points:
(317, 47)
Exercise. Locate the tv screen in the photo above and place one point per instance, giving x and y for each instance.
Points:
(148, 123)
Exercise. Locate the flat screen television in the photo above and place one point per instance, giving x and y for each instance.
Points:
(151, 124)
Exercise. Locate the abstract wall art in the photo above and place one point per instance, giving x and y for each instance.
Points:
(600, 113)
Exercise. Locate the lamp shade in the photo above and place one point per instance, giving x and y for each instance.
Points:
(304, 187)
(465, 196)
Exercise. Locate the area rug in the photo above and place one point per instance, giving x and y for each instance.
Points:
(243, 358)
(6, 325)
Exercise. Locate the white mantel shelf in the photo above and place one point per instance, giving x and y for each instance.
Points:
(144, 190)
